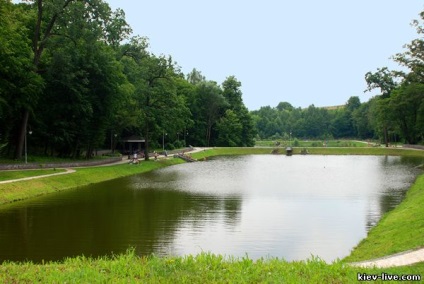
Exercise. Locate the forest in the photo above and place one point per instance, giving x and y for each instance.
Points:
(74, 78)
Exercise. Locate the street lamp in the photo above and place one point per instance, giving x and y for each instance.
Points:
(26, 153)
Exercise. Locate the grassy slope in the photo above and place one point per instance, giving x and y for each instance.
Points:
(202, 268)
(8, 175)
(25, 189)
(312, 150)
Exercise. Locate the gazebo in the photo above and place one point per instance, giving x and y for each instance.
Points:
(132, 144)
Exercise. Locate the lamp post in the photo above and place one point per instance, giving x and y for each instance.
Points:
(163, 140)
(26, 152)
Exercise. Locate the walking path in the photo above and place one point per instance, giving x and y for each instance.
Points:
(67, 171)
(399, 259)
(70, 170)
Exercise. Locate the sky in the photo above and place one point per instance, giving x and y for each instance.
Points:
(302, 52)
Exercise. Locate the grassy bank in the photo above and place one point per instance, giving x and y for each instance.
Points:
(83, 176)
(313, 143)
(203, 268)
(8, 175)
(312, 151)
(399, 230)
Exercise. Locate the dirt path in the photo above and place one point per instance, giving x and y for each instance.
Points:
(67, 171)
(399, 259)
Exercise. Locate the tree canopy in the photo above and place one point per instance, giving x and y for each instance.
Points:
(73, 73)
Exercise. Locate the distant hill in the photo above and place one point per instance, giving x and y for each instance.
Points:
(333, 107)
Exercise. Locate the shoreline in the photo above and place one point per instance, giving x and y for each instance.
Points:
(57, 183)
(11, 192)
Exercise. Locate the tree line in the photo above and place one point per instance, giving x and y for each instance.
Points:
(73, 74)
(396, 114)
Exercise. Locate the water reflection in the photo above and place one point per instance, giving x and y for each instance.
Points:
(288, 207)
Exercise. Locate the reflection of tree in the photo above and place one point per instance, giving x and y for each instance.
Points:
(100, 220)
(393, 194)
(386, 202)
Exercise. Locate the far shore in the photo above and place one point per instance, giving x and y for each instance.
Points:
(13, 192)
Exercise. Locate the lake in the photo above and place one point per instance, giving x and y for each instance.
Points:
(256, 206)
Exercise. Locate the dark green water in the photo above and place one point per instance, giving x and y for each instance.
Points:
(289, 207)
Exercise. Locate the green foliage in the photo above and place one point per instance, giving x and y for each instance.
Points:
(229, 130)
(74, 75)
(20, 85)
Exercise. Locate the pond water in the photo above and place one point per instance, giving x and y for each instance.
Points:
(259, 206)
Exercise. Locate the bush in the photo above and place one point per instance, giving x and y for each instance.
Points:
(170, 146)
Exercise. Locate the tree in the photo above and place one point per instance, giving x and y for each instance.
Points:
(155, 81)
(83, 82)
(195, 77)
(407, 108)
(232, 93)
(383, 79)
(209, 106)
(19, 84)
(395, 109)
(361, 121)
(229, 130)
(316, 122)
(53, 19)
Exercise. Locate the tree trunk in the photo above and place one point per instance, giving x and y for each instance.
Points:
(386, 140)
(21, 135)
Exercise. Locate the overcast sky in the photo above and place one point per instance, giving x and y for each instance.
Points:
(302, 52)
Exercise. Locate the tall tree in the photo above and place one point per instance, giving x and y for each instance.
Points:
(229, 130)
(209, 107)
(407, 108)
(83, 81)
(195, 77)
(52, 20)
(19, 84)
(232, 93)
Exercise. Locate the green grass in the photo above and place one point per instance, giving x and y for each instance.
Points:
(312, 143)
(313, 150)
(362, 151)
(12, 174)
(202, 268)
(83, 176)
